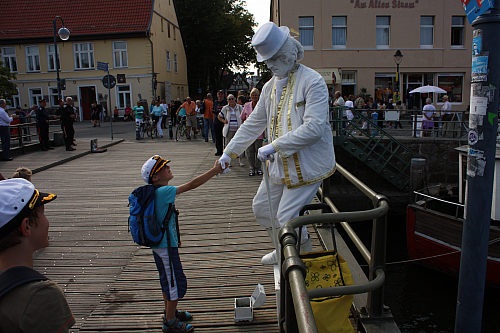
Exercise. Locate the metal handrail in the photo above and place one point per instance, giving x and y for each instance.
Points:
(294, 269)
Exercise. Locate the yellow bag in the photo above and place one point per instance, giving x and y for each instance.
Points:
(328, 269)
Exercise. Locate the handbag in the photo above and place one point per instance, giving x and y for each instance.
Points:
(327, 269)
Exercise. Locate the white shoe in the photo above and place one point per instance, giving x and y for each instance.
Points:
(242, 164)
(270, 259)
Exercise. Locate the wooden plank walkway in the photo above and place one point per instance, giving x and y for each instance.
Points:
(111, 283)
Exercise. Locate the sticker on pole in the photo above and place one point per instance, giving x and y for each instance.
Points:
(474, 8)
(473, 137)
(478, 105)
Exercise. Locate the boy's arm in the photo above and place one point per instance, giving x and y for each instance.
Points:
(200, 180)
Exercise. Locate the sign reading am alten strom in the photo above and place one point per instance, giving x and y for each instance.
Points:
(395, 4)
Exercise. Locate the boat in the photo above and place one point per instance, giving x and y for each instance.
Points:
(434, 226)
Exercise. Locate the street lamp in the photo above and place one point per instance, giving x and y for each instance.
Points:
(64, 35)
(398, 57)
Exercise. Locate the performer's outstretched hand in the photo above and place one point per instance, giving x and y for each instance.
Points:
(265, 152)
(224, 159)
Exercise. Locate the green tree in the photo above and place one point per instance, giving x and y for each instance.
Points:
(217, 36)
(7, 88)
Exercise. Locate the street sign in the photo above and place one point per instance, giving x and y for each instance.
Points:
(102, 66)
(474, 8)
(112, 81)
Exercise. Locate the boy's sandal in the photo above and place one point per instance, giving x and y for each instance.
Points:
(251, 173)
(183, 315)
(259, 172)
(177, 327)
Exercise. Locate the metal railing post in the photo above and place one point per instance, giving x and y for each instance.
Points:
(375, 302)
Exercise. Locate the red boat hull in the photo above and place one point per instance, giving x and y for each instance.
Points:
(442, 253)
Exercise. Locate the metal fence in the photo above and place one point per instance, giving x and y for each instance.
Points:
(26, 134)
(293, 269)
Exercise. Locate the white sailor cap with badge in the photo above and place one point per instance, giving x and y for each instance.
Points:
(152, 166)
(18, 198)
(268, 40)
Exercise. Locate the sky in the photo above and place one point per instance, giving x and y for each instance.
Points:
(261, 12)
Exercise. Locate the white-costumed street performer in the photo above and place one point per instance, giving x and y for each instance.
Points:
(293, 107)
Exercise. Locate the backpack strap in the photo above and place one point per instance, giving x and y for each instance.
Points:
(17, 276)
(166, 220)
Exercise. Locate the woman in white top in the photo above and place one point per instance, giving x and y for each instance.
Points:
(230, 116)
(428, 115)
(447, 118)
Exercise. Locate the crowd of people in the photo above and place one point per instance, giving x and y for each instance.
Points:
(434, 123)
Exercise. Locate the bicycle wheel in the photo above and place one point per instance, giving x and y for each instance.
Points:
(141, 132)
(178, 133)
(154, 132)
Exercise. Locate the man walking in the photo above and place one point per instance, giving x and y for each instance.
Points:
(208, 117)
(67, 115)
(218, 125)
(42, 122)
(5, 121)
(190, 107)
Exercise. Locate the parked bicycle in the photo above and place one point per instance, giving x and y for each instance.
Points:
(150, 128)
(181, 128)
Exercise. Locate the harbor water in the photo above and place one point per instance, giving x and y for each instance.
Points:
(421, 300)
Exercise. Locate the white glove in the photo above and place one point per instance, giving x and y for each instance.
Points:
(224, 159)
(265, 152)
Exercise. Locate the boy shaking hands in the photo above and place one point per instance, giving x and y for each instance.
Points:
(155, 171)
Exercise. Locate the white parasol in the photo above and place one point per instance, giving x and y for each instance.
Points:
(428, 89)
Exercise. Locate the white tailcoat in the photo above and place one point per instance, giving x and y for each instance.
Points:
(304, 143)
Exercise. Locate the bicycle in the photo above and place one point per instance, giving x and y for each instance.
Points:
(181, 128)
(150, 128)
(139, 130)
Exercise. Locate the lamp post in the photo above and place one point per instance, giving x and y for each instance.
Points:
(398, 57)
(64, 35)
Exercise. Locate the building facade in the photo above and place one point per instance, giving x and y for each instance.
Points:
(352, 43)
(140, 41)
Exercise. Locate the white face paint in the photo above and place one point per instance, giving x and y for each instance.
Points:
(279, 66)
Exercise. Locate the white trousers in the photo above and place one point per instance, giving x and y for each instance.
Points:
(158, 126)
(286, 204)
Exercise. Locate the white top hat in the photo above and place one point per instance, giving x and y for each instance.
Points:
(268, 40)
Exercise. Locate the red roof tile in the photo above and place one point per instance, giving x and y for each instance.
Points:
(33, 18)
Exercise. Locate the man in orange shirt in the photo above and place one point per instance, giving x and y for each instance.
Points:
(190, 107)
(208, 117)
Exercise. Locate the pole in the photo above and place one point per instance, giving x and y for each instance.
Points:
(480, 171)
(397, 78)
(56, 60)
(109, 94)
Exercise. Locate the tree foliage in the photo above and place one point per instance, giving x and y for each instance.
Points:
(217, 37)
(7, 88)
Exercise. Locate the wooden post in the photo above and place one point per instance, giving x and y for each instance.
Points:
(417, 177)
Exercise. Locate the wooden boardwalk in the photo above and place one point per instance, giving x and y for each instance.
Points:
(111, 283)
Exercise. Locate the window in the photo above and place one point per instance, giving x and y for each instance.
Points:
(35, 95)
(14, 100)
(383, 31)
(168, 29)
(175, 62)
(168, 61)
(84, 55)
(51, 57)
(124, 96)
(120, 54)
(32, 59)
(54, 97)
(173, 28)
(426, 31)
(457, 31)
(339, 32)
(9, 58)
(306, 32)
(453, 84)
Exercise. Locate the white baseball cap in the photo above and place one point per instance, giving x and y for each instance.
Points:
(268, 40)
(18, 198)
(152, 166)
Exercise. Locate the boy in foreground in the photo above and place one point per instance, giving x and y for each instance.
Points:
(172, 279)
(37, 304)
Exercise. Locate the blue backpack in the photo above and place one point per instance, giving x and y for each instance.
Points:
(142, 222)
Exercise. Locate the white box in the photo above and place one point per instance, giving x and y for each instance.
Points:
(243, 307)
